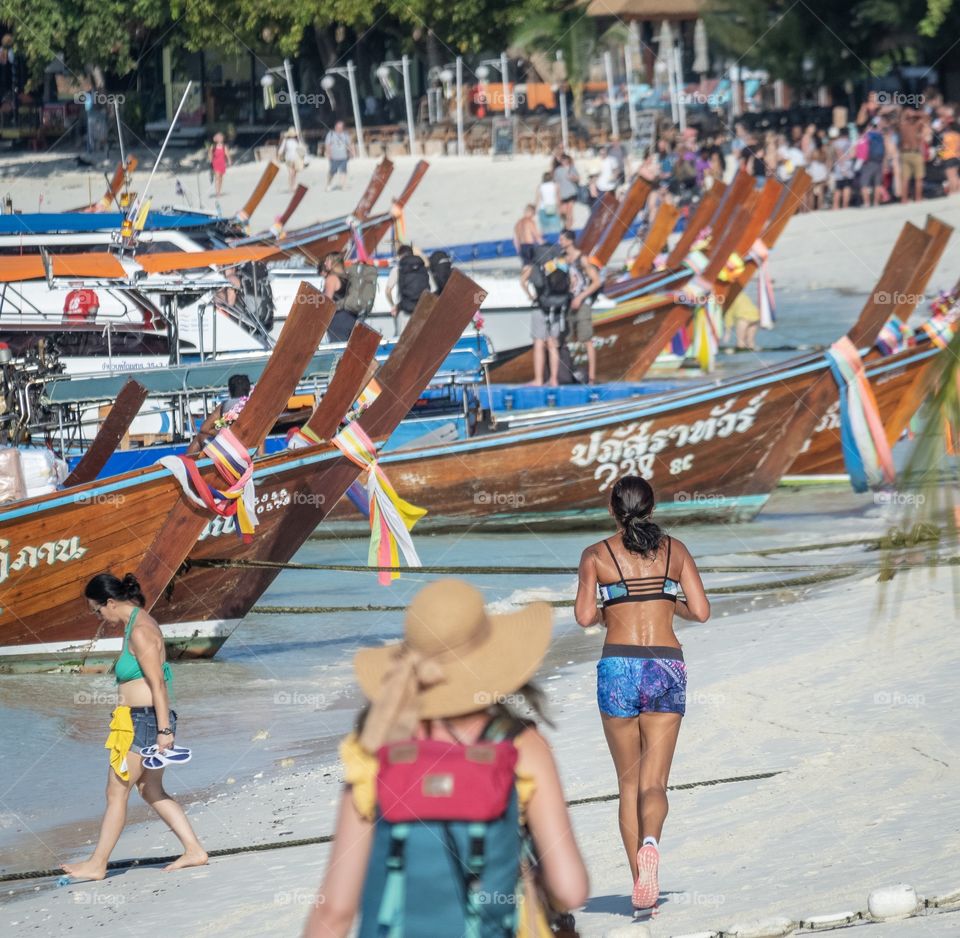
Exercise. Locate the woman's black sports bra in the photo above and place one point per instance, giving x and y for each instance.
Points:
(638, 589)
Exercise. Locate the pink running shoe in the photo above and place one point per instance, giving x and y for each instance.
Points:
(646, 890)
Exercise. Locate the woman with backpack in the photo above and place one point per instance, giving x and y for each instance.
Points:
(638, 574)
(449, 794)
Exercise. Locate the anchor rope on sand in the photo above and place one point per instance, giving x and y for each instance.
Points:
(327, 838)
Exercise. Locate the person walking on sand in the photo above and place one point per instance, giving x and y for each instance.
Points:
(219, 157)
(338, 150)
(292, 154)
(142, 718)
(447, 788)
(567, 178)
(641, 677)
(526, 235)
(585, 283)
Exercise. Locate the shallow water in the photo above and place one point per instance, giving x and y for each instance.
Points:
(282, 684)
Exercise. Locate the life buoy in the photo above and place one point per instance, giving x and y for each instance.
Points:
(81, 305)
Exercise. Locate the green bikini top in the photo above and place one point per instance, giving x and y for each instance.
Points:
(127, 667)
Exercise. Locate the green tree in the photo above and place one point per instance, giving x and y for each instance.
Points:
(573, 34)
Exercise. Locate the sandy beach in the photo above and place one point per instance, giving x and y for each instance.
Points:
(847, 708)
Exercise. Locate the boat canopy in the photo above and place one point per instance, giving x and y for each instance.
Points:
(98, 266)
(198, 378)
(57, 222)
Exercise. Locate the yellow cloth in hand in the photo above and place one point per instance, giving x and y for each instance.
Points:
(119, 741)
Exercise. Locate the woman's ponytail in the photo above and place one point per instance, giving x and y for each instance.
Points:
(631, 502)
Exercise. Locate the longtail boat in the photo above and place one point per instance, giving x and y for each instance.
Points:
(207, 598)
(51, 545)
(901, 381)
(713, 452)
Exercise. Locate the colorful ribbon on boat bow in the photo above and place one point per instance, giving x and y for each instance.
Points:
(766, 301)
(866, 452)
(939, 329)
(893, 336)
(302, 437)
(391, 518)
(707, 322)
(234, 464)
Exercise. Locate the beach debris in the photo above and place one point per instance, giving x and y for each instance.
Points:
(286, 763)
(774, 927)
(830, 920)
(259, 735)
(944, 901)
(889, 902)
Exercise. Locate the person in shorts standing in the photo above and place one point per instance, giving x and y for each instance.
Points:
(291, 153)
(913, 141)
(568, 188)
(526, 235)
(842, 158)
(584, 286)
(546, 282)
(871, 149)
(338, 149)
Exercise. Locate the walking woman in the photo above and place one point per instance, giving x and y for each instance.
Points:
(444, 781)
(335, 286)
(142, 718)
(219, 161)
(641, 677)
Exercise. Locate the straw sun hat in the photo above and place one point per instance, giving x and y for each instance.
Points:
(455, 657)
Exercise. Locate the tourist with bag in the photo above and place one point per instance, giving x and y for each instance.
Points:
(407, 282)
(453, 819)
(547, 282)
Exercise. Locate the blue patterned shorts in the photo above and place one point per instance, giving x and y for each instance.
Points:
(632, 679)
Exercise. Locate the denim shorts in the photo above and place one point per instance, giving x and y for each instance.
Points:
(632, 679)
(145, 727)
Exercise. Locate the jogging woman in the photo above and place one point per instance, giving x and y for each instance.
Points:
(641, 677)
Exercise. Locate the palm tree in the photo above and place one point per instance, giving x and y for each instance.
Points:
(573, 34)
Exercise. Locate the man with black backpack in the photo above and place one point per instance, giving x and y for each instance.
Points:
(547, 282)
(405, 285)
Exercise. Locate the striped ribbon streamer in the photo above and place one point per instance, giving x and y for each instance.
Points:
(866, 452)
(276, 229)
(233, 463)
(893, 336)
(362, 256)
(302, 437)
(707, 320)
(939, 329)
(766, 302)
(391, 518)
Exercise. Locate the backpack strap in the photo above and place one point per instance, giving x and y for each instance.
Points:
(390, 916)
(471, 873)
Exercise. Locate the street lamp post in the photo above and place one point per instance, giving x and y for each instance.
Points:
(291, 91)
(611, 94)
(561, 93)
(403, 66)
(327, 83)
(483, 72)
(447, 76)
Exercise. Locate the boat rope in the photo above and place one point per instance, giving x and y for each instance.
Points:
(327, 838)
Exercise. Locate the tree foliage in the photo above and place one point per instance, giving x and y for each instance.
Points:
(824, 42)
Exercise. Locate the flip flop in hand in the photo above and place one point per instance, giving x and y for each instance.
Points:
(154, 758)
